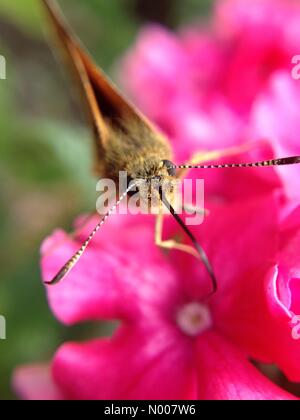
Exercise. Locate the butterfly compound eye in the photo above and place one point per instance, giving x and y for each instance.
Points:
(170, 167)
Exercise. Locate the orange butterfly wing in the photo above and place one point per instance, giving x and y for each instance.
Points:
(105, 104)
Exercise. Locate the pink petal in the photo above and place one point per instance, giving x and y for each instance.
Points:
(35, 382)
(276, 116)
(258, 319)
(202, 124)
(234, 19)
(290, 242)
(225, 374)
(137, 363)
(243, 236)
(153, 65)
(237, 238)
(261, 39)
(257, 300)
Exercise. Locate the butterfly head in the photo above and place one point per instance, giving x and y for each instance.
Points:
(150, 177)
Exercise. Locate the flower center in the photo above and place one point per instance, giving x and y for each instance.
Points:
(194, 318)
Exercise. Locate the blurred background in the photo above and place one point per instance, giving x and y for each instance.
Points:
(45, 154)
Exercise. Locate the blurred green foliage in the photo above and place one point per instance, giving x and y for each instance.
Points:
(45, 157)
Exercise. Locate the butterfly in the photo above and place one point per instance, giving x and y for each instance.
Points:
(125, 140)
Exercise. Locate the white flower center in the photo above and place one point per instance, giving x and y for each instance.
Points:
(194, 318)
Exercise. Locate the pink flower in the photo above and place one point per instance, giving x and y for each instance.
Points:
(172, 344)
(174, 80)
(223, 84)
(35, 383)
(262, 37)
(276, 115)
(207, 88)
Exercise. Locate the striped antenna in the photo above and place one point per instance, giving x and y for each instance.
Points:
(273, 162)
(76, 257)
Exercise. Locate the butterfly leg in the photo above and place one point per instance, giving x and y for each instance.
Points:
(191, 209)
(170, 244)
